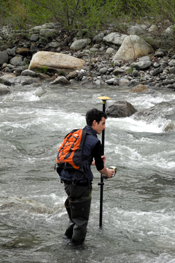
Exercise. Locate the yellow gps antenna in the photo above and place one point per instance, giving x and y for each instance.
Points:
(104, 99)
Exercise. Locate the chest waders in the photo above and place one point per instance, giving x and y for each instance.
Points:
(78, 212)
(69, 230)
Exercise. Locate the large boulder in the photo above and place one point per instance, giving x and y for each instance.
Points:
(55, 61)
(133, 47)
(120, 109)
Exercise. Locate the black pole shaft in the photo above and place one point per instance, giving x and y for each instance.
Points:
(101, 182)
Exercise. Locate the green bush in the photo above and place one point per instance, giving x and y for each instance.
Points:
(81, 14)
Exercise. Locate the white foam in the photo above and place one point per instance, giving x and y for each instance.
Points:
(145, 101)
(25, 96)
(130, 124)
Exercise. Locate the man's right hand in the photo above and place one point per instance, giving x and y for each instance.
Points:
(108, 172)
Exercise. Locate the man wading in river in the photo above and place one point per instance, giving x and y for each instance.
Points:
(79, 191)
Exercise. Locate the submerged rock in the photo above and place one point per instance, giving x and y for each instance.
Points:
(4, 90)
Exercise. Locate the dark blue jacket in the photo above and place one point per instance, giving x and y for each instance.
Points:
(90, 141)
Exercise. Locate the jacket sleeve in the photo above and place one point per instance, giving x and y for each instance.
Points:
(97, 153)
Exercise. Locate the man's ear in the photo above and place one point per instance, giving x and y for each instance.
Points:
(94, 122)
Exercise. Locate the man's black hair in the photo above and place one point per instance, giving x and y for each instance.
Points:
(94, 114)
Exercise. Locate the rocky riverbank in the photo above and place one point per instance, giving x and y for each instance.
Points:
(134, 59)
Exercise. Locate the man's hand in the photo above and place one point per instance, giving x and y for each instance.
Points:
(108, 172)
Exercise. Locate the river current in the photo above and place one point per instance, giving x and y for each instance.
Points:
(138, 203)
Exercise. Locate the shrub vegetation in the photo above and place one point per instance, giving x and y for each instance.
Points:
(78, 15)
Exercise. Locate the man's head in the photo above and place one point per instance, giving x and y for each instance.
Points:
(96, 119)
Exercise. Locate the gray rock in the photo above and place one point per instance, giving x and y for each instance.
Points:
(168, 81)
(172, 63)
(20, 79)
(8, 65)
(153, 28)
(7, 70)
(115, 38)
(11, 51)
(142, 64)
(29, 81)
(17, 61)
(172, 70)
(4, 90)
(170, 86)
(103, 70)
(34, 37)
(170, 30)
(135, 73)
(79, 44)
(72, 75)
(133, 83)
(44, 26)
(3, 57)
(144, 58)
(118, 71)
(98, 38)
(53, 44)
(117, 63)
(123, 82)
(133, 47)
(46, 32)
(110, 81)
(98, 82)
(28, 72)
(60, 80)
(157, 71)
(164, 60)
(81, 73)
(93, 50)
(135, 30)
(5, 79)
(110, 51)
(160, 53)
(156, 65)
(18, 70)
(120, 109)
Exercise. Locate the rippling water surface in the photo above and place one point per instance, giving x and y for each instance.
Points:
(138, 208)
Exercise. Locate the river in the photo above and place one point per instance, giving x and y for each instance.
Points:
(138, 207)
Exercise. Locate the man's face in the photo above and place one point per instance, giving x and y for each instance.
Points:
(99, 127)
